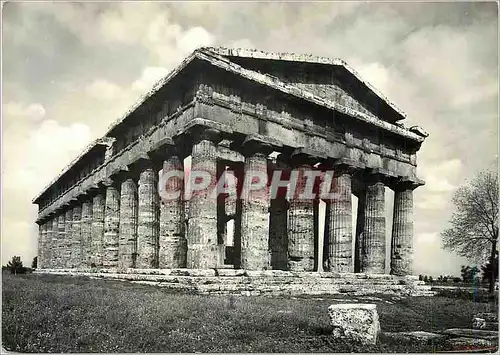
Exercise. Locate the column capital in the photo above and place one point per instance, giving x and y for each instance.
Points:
(405, 183)
(254, 144)
(377, 175)
(201, 129)
(306, 156)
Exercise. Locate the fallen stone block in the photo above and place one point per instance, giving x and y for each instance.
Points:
(465, 343)
(472, 333)
(485, 321)
(355, 322)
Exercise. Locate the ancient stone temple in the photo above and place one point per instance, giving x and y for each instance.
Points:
(239, 110)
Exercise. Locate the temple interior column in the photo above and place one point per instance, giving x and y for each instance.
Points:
(254, 215)
(172, 239)
(340, 223)
(203, 250)
(76, 250)
(86, 232)
(111, 226)
(402, 230)
(373, 249)
(147, 218)
(98, 204)
(278, 239)
(360, 224)
(66, 237)
(127, 246)
(301, 224)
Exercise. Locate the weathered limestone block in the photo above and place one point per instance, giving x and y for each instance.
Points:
(356, 322)
(203, 250)
(66, 236)
(86, 233)
(96, 253)
(340, 224)
(301, 227)
(172, 239)
(278, 237)
(402, 231)
(111, 227)
(254, 219)
(373, 243)
(76, 237)
(148, 219)
(128, 225)
(485, 321)
(472, 333)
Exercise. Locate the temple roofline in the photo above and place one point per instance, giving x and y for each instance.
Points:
(305, 58)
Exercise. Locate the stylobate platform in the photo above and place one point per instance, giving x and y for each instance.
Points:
(271, 282)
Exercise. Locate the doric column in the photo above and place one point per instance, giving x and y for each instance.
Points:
(172, 239)
(148, 218)
(128, 224)
(255, 253)
(203, 250)
(301, 249)
(373, 249)
(340, 222)
(76, 235)
(402, 229)
(66, 238)
(97, 243)
(54, 243)
(41, 238)
(61, 252)
(111, 226)
(86, 233)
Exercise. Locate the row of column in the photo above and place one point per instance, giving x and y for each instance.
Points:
(125, 225)
(121, 225)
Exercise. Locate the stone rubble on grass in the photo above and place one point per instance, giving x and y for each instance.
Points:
(472, 333)
(485, 321)
(415, 335)
(355, 322)
(466, 342)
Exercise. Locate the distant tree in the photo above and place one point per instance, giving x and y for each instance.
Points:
(420, 277)
(34, 263)
(457, 279)
(469, 273)
(431, 280)
(15, 265)
(474, 224)
(490, 271)
(426, 279)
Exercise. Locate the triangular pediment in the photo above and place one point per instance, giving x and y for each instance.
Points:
(328, 78)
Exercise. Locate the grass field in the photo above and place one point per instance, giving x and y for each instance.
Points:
(44, 313)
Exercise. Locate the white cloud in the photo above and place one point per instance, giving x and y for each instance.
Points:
(193, 38)
(149, 77)
(101, 89)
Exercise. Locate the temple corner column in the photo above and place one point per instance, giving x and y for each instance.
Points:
(401, 262)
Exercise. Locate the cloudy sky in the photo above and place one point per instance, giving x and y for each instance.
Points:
(70, 69)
